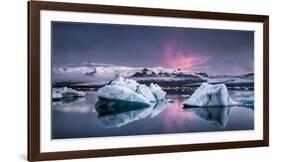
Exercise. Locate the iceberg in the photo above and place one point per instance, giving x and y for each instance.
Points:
(59, 93)
(208, 95)
(157, 91)
(121, 93)
(248, 102)
(145, 91)
(56, 94)
(129, 83)
(129, 90)
(108, 106)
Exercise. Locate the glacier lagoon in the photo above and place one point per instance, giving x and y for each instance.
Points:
(79, 117)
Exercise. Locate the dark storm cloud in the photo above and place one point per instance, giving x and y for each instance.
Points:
(215, 51)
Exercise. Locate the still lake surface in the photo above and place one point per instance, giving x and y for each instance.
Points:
(78, 118)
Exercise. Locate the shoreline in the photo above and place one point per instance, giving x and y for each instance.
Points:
(169, 88)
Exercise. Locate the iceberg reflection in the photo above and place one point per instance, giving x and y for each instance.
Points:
(72, 105)
(159, 107)
(69, 101)
(116, 113)
(215, 115)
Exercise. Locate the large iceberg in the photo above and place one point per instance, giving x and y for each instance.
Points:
(109, 106)
(122, 93)
(208, 95)
(129, 90)
(59, 93)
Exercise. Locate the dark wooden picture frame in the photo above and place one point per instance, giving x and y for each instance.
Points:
(34, 8)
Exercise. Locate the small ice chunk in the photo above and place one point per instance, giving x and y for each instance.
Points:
(248, 102)
(157, 91)
(208, 95)
(65, 92)
(116, 92)
(69, 92)
(145, 91)
(56, 94)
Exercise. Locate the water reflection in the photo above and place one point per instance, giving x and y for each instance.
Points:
(69, 100)
(114, 113)
(106, 106)
(72, 105)
(158, 108)
(90, 117)
(214, 115)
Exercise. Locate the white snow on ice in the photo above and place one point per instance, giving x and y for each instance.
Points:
(116, 92)
(158, 93)
(58, 93)
(146, 92)
(208, 95)
(132, 91)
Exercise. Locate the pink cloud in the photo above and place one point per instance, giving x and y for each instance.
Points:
(177, 56)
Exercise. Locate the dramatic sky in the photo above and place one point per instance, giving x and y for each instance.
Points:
(206, 50)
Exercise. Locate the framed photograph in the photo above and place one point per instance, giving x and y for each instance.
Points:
(112, 80)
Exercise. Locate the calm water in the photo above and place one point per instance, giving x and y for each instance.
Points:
(78, 118)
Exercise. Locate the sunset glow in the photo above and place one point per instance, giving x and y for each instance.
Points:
(179, 57)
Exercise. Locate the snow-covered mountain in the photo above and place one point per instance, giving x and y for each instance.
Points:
(90, 72)
(93, 72)
(101, 74)
(109, 70)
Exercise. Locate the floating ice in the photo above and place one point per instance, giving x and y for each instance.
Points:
(58, 93)
(208, 95)
(129, 83)
(129, 90)
(157, 91)
(145, 91)
(248, 102)
(116, 92)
